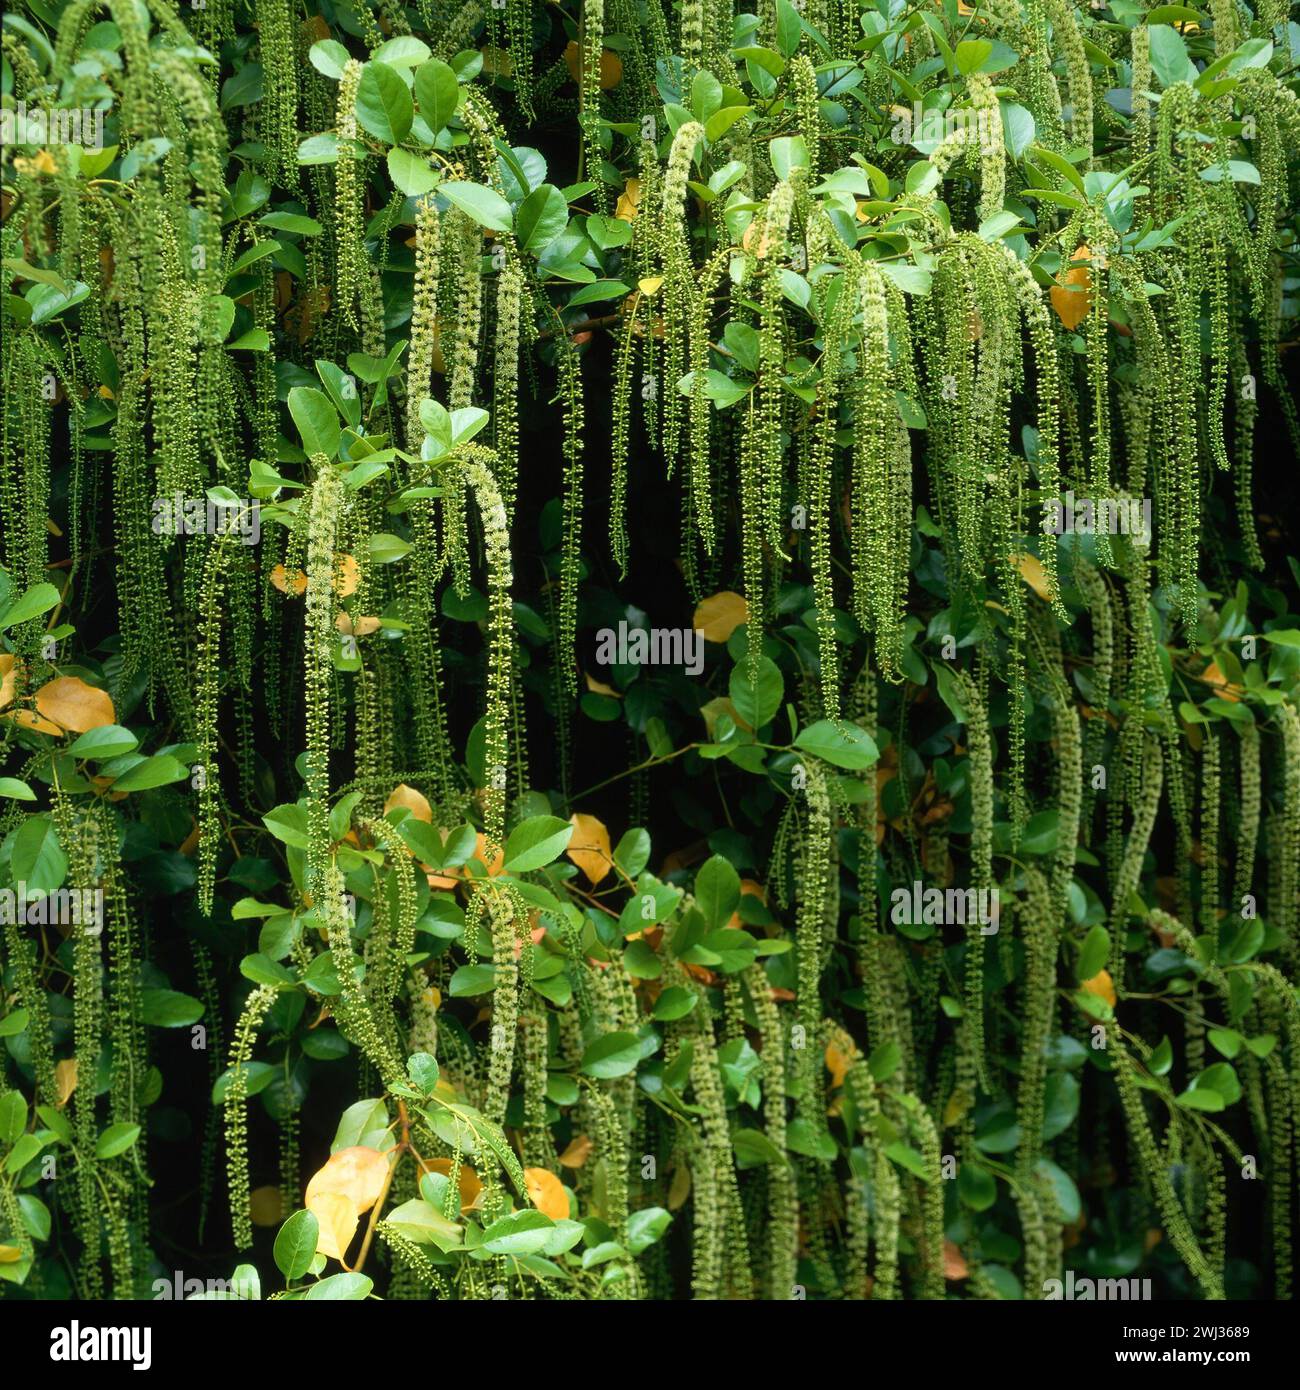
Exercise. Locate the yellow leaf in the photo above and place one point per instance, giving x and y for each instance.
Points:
(589, 848)
(1032, 572)
(680, 1187)
(497, 62)
(719, 615)
(720, 704)
(10, 1254)
(65, 1080)
(1102, 986)
(295, 587)
(627, 203)
(438, 361)
(413, 801)
(600, 688)
(958, 1104)
(337, 1215)
(357, 1172)
(1072, 297)
(838, 1062)
(471, 1189)
(7, 679)
(72, 704)
(577, 1153)
(265, 1206)
(41, 164)
(356, 627)
(650, 285)
(547, 1194)
(347, 575)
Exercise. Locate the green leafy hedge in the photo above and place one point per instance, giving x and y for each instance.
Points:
(640, 653)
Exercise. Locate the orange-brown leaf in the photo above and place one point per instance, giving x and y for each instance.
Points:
(494, 863)
(547, 1194)
(755, 890)
(577, 1153)
(1223, 687)
(67, 701)
(1102, 986)
(1072, 296)
(611, 70)
(611, 66)
(295, 586)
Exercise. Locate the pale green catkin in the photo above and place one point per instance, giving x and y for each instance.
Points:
(1172, 1213)
(349, 252)
(980, 749)
(1039, 923)
(814, 868)
(1249, 808)
(1146, 805)
(241, 1053)
(782, 1197)
(501, 913)
(424, 316)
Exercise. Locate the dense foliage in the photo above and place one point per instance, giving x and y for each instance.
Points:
(640, 654)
